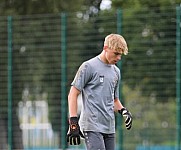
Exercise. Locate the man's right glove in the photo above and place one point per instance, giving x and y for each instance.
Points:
(74, 133)
(127, 116)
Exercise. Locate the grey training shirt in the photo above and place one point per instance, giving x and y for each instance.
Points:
(99, 84)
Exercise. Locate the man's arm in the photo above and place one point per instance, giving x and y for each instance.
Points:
(74, 133)
(117, 105)
(72, 101)
(124, 112)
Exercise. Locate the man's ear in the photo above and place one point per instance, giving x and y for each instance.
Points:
(105, 48)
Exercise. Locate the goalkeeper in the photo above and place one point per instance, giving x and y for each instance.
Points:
(98, 81)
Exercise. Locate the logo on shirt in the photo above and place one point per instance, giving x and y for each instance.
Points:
(101, 79)
(115, 82)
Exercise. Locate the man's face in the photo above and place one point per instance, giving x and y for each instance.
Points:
(112, 56)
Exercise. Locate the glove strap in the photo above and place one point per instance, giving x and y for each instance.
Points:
(73, 121)
(121, 111)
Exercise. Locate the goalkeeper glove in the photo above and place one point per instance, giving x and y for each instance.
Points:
(74, 133)
(127, 116)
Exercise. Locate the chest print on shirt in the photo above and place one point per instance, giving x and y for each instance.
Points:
(116, 77)
(115, 81)
(114, 84)
(101, 79)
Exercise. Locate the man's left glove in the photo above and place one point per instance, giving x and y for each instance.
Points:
(74, 133)
(127, 116)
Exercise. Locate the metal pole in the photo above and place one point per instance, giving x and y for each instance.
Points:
(119, 120)
(178, 47)
(9, 82)
(63, 81)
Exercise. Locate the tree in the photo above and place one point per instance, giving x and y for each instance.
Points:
(27, 69)
(149, 40)
(28, 7)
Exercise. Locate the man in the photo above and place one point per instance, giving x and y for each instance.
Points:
(98, 81)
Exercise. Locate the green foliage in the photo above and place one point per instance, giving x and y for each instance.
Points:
(153, 121)
(148, 41)
(27, 7)
(143, 4)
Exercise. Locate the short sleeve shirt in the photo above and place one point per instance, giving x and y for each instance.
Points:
(99, 84)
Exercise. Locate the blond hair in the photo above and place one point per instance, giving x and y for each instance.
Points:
(116, 42)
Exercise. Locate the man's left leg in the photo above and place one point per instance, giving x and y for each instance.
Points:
(109, 140)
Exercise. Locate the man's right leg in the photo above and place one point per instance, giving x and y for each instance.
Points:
(94, 140)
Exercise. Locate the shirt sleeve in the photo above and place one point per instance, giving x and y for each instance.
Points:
(82, 76)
